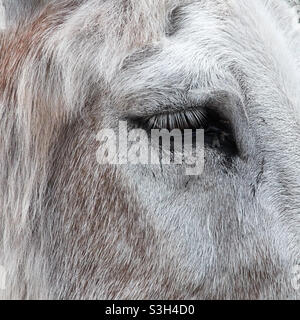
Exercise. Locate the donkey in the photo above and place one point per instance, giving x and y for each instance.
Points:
(72, 228)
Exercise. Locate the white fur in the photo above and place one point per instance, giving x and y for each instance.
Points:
(75, 230)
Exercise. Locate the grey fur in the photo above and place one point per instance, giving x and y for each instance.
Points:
(72, 229)
(18, 10)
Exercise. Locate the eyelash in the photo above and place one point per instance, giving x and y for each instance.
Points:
(189, 119)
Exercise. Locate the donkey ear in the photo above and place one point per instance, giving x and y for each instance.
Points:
(18, 11)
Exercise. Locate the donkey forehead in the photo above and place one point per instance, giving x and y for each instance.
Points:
(118, 31)
(154, 18)
(202, 41)
(146, 44)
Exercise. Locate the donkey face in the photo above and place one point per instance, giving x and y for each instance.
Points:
(91, 230)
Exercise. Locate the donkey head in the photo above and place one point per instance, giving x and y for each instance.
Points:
(75, 227)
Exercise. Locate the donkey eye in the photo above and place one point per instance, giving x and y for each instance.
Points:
(218, 134)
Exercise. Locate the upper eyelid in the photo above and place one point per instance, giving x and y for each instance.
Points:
(184, 111)
(182, 101)
(167, 112)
